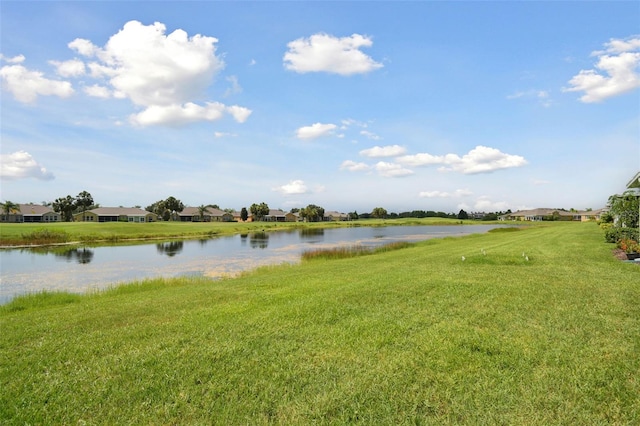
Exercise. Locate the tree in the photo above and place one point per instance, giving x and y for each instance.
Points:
(83, 201)
(379, 213)
(312, 213)
(159, 209)
(9, 207)
(624, 209)
(65, 206)
(244, 214)
(354, 215)
(259, 211)
(202, 209)
(463, 215)
(173, 205)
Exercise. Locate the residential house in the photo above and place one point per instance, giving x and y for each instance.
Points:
(335, 216)
(211, 214)
(31, 213)
(116, 214)
(536, 215)
(276, 215)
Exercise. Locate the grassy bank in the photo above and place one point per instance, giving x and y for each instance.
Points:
(409, 336)
(15, 234)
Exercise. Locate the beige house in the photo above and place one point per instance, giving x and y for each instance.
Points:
(31, 213)
(192, 214)
(116, 214)
(537, 215)
(335, 216)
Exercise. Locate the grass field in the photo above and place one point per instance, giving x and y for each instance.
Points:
(408, 336)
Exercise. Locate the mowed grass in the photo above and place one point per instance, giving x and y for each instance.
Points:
(410, 336)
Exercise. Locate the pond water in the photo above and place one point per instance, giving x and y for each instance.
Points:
(81, 269)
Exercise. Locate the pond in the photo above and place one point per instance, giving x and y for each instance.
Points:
(80, 269)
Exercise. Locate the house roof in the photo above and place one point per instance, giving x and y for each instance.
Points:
(119, 211)
(276, 212)
(635, 182)
(195, 211)
(34, 210)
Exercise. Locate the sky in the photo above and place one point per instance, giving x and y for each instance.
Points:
(421, 105)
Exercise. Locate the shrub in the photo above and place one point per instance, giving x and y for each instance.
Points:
(615, 234)
(46, 236)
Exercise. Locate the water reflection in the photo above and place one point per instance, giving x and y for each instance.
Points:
(82, 256)
(259, 240)
(171, 248)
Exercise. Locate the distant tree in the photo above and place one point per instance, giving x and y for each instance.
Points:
(353, 215)
(159, 209)
(83, 201)
(9, 207)
(202, 210)
(244, 214)
(490, 216)
(379, 213)
(173, 205)
(462, 214)
(259, 211)
(312, 213)
(65, 206)
(295, 210)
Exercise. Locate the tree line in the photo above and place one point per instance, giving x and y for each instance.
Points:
(167, 209)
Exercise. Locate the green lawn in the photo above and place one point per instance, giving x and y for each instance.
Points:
(409, 336)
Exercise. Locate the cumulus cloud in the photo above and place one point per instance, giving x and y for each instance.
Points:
(369, 134)
(163, 73)
(98, 91)
(326, 53)
(27, 85)
(18, 59)
(21, 165)
(71, 68)
(484, 204)
(352, 166)
(440, 194)
(481, 159)
(615, 73)
(292, 188)
(392, 170)
(315, 131)
(383, 151)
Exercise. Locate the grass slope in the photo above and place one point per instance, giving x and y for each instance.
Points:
(411, 336)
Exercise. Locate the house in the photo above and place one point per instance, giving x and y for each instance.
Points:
(115, 214)
(31, 213)
(276, 215)
(536, 215)
(37, 213)
(335, 216)
(211, 214)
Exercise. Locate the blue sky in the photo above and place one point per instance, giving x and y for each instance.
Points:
(484, 106)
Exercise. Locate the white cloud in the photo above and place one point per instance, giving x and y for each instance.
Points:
(70, 68)
(21, 165)
(163, 73)
(26, 85)
(440, 194)
(481, 159)
(315, 131)
(292, 188)
(326, 53)
(542, 96)
(18, 59)
(352, 166)
(369, 135)
(235, 86)
(616, 72)
(223, 134)
(98, 91)
(383, 151)
(392, 170)
(483, 204)
(178, 115)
